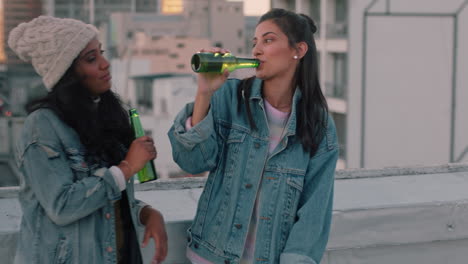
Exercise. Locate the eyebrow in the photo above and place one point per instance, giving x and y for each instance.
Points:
(266, 33)
(91, 51)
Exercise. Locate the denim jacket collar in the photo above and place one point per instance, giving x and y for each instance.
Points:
(256, 94)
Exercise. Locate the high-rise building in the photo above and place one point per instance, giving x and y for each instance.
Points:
(97, 12)
(14, 13)
(220, 21)
(14, 72)
(394, 84)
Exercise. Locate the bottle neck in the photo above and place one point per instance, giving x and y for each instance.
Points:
(247, 63)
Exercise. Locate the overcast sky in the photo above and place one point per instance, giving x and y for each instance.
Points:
(256, 7)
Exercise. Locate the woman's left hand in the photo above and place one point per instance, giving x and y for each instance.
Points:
(154, 228)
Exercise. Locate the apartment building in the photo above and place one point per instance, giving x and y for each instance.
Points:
(392, 74)
(208, 19)
(13, 71)
(97, 12)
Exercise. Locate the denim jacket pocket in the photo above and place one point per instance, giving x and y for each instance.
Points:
(211, 211)
(294, 186)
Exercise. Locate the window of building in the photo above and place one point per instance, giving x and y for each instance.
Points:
(173, 55)
(180, 66)
(239, 33)
(340, 123)
(180, 45)
(315, 11)
(341, 11)
(218, 44)
(163, 106)
(338, 87)
(144, 95)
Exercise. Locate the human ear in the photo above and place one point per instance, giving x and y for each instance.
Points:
(301, 49)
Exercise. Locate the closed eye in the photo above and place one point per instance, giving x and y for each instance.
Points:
(91, 59)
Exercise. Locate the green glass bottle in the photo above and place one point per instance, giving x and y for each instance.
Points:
(148, 173)
(217, 62)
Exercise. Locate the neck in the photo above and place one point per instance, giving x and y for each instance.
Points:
(279, 94)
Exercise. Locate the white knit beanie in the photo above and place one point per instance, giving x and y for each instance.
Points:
(51, 44)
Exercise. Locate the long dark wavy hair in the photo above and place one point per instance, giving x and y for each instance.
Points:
(312, 109)
(103, 127)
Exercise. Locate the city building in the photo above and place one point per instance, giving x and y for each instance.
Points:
(13, 71)
(220, 21)
(393, 82)
(97, 12)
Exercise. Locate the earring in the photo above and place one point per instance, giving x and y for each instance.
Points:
(295, 57)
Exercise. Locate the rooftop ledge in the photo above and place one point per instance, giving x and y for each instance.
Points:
(390, 215)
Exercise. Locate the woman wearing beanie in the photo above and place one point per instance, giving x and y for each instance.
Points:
(77, 155)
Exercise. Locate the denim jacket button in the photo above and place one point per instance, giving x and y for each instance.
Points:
(257, 145)
(238, 226)
(108, 216)
(227, 261)
(195, 245)
(109, 249)
(248, 186)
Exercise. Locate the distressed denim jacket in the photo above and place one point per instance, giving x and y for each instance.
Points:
(67, 204)
(295, 190)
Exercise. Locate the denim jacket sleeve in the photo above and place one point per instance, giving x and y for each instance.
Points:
(195, 150)
(309, 235)
(47, 172)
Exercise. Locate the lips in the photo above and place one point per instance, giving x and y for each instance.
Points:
(261, 64)
(106, 77)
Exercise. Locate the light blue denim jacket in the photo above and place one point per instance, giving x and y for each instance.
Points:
(295, 201)
(67, 204)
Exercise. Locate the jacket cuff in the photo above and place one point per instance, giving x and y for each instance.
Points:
(118, 177)
(286, 258)
(141, 205)
(195, 135)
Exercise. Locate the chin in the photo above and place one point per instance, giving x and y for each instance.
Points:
(260, 75)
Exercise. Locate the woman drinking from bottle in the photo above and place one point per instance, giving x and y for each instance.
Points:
(271, 150)
(77, 155)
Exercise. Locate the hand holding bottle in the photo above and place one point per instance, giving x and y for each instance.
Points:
(209, 82)
(140, 152)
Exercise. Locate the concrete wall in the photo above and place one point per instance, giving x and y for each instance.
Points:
(406, 64)
(416, 215)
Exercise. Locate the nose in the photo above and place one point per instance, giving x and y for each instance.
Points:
(104, 65)
(256, 50)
